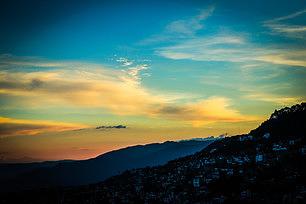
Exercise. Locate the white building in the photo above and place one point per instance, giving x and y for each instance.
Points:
(259, 158)
(303, 150)
(230, 172)
(291, 142)
(245, 138)
(278, 148)
(266, 135)
(213, 150)
(196, 182)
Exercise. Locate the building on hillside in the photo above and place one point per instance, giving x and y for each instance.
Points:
(303, 150)
(246, 195)
(291, 142)
(196, 182)
(245, 138)
(266, 135)
(259, 158)
(278, 148)
(213, 150)
(230, 172)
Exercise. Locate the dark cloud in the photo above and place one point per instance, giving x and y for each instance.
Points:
(111, 127)
(14, 127)
(11, 85)
(36, 83)
(52, 86)
(172, 110)
(7, 129)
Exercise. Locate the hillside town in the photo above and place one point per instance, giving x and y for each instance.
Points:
(260, 170)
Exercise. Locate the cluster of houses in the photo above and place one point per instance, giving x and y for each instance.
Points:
(193, 176)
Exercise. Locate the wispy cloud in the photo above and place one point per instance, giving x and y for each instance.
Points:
(11, 126)
(276, 93)
(232, 48)
(292, 58)
(272, 98)
(124, 61)
(134, 73)
(283, 26)
(217, 48)
(134, 69)
(182, 28)
(190, 26)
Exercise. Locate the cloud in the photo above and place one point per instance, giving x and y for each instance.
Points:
(190, 26)
(95, 88)
(8, 61)
(11, 126)
(182, 28)
(185, 42)
(124, 61)
(286, 59)
(134, 73)
(217, 48)
(205, 111)
(272, 98)
(232, 48)
(117, 91)
(283, 26)
(290, 16)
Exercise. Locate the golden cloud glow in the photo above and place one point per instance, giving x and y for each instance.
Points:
(283, 59)
(11, 126)
(205, 111)
(116, 91)
(281, 100)
(79, 88)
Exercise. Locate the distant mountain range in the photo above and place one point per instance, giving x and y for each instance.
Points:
(66, 173)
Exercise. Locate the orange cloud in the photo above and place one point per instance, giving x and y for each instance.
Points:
(11, 126)
(277, 99)
(99, 88)
(112, 90)
(214, 109)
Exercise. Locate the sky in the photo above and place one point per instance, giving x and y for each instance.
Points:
(168, 70)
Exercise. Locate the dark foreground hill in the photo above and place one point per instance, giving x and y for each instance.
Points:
(14, 177)
(267, 165)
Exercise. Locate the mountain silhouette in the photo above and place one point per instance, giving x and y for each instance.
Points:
(67, 173)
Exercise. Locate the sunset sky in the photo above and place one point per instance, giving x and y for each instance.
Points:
(168, 70)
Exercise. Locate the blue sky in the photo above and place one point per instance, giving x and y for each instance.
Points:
(149, 64)
(94, 30)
